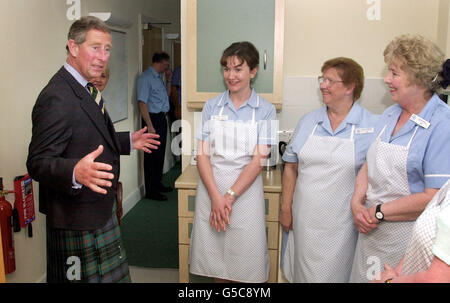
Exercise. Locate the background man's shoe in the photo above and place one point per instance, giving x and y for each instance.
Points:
(156, 196)
(165, 189)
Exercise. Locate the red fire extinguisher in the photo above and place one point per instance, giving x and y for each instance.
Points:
(6, 228)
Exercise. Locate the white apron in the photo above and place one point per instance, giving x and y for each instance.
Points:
(388, 180)
(239, 253)
(419, 253)
(321, 245)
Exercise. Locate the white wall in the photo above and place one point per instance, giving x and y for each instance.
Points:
(34, 35)
(443, 26)
(318, 30)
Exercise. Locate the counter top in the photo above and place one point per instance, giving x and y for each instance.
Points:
(271, 179)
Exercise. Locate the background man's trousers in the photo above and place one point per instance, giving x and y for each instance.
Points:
(154, 162)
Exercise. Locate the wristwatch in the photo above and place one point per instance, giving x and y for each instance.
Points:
(378, 213)
(232, 193)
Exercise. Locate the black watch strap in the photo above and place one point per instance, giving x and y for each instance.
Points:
(378, 213)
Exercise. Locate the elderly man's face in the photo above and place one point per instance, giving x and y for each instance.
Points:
(91, 57)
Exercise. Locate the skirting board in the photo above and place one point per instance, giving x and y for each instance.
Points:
(133, 199)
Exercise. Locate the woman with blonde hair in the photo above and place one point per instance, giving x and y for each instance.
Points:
(408, 161)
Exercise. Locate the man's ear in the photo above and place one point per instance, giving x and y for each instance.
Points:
(73, 48)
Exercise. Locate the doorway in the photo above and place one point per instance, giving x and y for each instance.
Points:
(154, 39)
(149, 229)
(152, 43)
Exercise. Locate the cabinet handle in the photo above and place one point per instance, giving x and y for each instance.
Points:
(265, 59)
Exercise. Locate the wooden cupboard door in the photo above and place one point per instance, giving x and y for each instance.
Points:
(272, 205)
(186, 202)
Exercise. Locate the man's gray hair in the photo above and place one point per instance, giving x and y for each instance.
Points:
(79, 28)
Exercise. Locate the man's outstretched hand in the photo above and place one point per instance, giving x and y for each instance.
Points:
(93, 174)
(145, 141)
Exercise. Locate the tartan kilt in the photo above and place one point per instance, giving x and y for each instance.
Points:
(87, 256)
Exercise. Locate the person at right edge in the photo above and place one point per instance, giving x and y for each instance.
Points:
(408, 161)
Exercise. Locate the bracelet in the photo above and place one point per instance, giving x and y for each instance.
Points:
(232, 193)
(388, 280)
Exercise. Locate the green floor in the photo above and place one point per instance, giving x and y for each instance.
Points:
(150, 229)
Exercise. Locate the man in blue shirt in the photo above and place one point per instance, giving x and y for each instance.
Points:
(153, 100)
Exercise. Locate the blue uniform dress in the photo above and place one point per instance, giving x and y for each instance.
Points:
(240, 252)
(425, 140)
(265, 115)
(152, 91)
(363, 119)
(322, 242)
(428, 164)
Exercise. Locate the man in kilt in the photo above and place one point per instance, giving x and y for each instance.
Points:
(74, 154)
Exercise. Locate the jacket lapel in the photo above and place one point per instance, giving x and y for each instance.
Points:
(92, 110)
(112, 131)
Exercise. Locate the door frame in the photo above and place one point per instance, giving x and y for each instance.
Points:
(140, 28)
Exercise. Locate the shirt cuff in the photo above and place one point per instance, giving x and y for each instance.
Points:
(435, 180)
(267, 141)
(75, 184)
(288, 157)
(202, 137)
(131, 144)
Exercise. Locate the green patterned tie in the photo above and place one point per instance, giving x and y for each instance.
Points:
(97, 96)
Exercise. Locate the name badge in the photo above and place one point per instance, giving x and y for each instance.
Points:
(219, 118)
(420, 121)
(367, 130)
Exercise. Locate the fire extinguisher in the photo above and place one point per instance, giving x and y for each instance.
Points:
(6, 228)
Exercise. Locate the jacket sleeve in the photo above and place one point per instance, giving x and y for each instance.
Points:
(125, 142)
(52, 131)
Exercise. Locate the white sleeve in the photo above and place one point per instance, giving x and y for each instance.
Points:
(441, 247)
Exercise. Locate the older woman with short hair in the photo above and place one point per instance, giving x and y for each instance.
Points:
(327, 150)
(408, 161)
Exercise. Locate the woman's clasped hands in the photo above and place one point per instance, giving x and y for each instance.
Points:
(221, 207)
(364, 219)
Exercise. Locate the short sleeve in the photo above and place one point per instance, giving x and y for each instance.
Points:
(441, 247)
(205, 131)
(289, 155)
(143, 89)
(301, 134)
(436, 159)
(268, 127)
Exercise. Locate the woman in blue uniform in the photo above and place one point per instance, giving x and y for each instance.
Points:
(408, 161)
(322, 160)
(228, 240)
